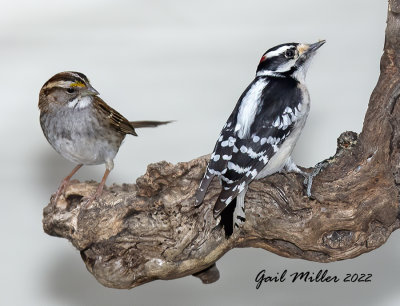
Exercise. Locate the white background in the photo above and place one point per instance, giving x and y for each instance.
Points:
(188, 61)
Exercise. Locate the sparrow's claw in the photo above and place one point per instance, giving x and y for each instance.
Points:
(61, 190)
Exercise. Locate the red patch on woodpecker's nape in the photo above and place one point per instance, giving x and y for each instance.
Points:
(263, 58)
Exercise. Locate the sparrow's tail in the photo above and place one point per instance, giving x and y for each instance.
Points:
(145, 124)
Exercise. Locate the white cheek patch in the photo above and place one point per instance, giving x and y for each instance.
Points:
(286, 66)
(73, 103)
(80, 103)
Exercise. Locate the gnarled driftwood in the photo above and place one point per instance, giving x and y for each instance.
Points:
(151, 230)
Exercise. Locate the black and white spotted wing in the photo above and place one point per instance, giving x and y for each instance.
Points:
(239, 157)
(217, 165)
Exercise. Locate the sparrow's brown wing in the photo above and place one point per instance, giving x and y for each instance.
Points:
(116, 120)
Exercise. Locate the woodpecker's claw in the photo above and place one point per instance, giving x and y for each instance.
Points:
(308, 180)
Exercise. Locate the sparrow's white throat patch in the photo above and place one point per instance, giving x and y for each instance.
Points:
(80, 102)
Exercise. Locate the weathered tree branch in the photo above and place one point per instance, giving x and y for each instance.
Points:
(151, 230)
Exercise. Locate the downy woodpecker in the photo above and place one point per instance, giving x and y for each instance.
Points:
(259, 136)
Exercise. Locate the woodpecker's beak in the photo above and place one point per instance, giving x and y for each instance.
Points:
(90, 91)
(306, 50)
(314, 47)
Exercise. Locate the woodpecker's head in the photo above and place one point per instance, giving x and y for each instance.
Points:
(291, 59)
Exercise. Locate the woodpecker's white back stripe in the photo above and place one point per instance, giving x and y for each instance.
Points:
(248, 108)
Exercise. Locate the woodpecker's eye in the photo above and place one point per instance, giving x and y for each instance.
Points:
(289, 53)
(70, 90)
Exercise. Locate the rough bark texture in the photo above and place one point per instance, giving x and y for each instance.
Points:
(151, 230)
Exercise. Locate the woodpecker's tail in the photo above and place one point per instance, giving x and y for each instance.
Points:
(145, 124)
(230, 190)
(239, 215)
(202, 190)
(226, 219)
(233, 215)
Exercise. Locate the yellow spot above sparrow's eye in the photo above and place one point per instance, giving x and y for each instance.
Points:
(77, 84)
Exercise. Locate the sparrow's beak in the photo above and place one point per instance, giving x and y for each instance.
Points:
(90, 91)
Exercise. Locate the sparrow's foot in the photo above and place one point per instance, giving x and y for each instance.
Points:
(61, 189)
(88, 201)
(65, 183)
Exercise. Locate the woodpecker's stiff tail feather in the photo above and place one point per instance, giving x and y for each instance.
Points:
(260, 134)
(202, 190)
(145, 124)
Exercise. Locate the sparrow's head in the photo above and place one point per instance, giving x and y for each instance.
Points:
(291, 59)
(71, 89)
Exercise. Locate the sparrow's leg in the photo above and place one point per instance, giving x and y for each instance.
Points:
(99, 190)
(65, 182)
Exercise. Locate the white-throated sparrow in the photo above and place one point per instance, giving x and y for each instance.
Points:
(81, 126)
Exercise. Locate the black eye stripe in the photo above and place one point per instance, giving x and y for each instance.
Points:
(273, 63)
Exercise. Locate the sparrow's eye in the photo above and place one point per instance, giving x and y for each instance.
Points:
(70, 90)
(290, 53)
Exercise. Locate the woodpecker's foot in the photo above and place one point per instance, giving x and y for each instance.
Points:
(290, 166)
(346, 141)
(308, 181)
